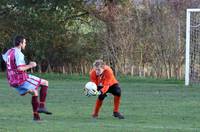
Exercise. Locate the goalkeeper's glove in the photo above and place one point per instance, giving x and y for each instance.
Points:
(97, 93)
(92, 93)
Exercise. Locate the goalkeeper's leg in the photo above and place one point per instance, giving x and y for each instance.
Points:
(98, 105)
(116, 91)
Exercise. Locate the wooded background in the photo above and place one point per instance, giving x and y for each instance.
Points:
(134, 37)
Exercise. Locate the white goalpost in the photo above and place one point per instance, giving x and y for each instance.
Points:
(192, 51)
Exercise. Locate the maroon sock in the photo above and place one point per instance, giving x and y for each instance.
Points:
(43, 94)
(35, 105)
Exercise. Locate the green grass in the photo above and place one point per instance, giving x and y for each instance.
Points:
(149, 105)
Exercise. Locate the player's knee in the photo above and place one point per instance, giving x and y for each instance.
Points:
(44, 82)
(47, 83)
(118, 92)
(101, 97)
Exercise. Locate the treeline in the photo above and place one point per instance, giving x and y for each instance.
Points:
(135, 37)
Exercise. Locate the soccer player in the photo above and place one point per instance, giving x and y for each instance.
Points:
(106, 82)
(23, 82)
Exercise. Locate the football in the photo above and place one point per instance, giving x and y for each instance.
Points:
(90, 89)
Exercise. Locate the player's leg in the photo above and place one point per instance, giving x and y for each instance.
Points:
(43, 93)
(31, 88)
(116, 91)
(35, 104)
(98, 104)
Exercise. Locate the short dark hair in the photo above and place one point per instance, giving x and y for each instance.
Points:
(18, 40)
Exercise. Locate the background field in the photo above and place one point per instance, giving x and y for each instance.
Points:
(149, 106)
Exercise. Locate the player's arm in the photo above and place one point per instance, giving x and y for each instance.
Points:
(20, 63)
(26, 67)
(93, 77)
(107, 82)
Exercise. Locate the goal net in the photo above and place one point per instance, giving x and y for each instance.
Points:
(192, 63)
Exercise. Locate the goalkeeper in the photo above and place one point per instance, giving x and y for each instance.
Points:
(106, 82)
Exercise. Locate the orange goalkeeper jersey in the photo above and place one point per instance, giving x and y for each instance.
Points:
(106, 79)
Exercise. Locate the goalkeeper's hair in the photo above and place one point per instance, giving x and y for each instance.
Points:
(98, 63)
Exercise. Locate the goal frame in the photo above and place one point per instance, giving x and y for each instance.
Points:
(187, 48)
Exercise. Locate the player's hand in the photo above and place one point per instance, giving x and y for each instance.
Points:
(32, 64)
(87, 92)
(92, 93)
(97, 93)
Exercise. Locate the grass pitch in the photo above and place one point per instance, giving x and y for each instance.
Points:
(148, 106)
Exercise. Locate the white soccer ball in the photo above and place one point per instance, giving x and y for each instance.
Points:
(90, 89)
